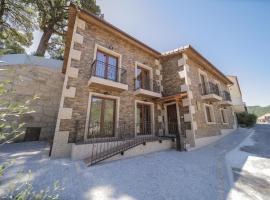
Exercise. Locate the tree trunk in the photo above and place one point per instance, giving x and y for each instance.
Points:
(44, 40)
(2, 9)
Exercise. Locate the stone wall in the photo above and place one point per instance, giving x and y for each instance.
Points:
(27, 81)
(204, 129)
(72, 117)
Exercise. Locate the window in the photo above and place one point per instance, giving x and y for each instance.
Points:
(223, 116)
(209, 114)
(102, 117)
(106, 66)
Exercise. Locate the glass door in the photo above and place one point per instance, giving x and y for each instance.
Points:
(102, 117)
(143, 118)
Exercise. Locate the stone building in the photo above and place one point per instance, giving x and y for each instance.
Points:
(116, 87)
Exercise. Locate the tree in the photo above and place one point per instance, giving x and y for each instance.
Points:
(52, 19)
(16, 25)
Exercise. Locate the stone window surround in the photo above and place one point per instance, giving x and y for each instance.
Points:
(152, 115)
(150, 69)
(225, 115)
(166, 117)
(110, 52)
(91, 94)
(211, 112)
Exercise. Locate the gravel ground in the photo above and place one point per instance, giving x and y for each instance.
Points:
(199, 174)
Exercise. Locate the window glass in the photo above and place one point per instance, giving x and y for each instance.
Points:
(102, 117)
(208, 114)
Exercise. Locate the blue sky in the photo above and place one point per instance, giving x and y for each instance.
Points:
(234, 35)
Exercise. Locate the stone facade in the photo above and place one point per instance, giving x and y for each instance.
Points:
(72, 128)
(204, 129)
(27, 81)
(177, 74)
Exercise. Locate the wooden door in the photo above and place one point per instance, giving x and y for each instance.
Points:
(172, 119)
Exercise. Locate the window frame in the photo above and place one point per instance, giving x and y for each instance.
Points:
(212, 114)
(113, 54)
(150, 69)
(117, 108)
(223, 110)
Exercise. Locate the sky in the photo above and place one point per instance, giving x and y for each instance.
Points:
(234, 35)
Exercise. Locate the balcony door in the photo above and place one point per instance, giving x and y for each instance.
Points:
(106, 66)
(143, 78)
(203, 84)
(102, 117)
(143, 119)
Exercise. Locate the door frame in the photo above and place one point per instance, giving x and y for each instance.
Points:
(166, 117)
(117, 107)
(152, 116)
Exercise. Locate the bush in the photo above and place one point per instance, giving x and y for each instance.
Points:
(246, 119)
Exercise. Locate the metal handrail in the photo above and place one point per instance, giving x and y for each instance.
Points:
(147, 84)
(226, 96)
(110, 72)
(104, 148)
(209, 88)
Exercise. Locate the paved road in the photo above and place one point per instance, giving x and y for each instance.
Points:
(252, 179)
(262, 141)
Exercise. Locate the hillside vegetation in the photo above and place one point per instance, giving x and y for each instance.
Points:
(258, 110)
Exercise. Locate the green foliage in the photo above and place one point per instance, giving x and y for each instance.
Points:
(246, 119)
(16, 26)
(258, 110)
(10, 113)
(53, 19)
(21, 190)
(56, 47)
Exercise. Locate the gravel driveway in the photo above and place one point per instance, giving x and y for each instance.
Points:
(199, 174)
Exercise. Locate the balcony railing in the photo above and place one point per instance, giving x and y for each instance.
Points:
(226, 96)
(147, 84)
(212, 89)
(109, 72)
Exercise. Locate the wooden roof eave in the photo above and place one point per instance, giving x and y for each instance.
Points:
(176, 97)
